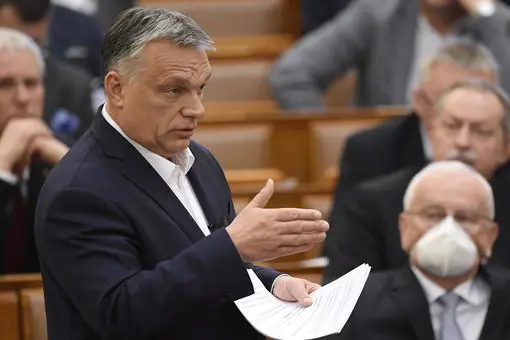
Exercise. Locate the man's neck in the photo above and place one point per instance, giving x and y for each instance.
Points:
(442, 19)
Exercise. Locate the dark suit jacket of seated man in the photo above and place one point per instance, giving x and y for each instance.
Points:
(402, 311)
(136, 230)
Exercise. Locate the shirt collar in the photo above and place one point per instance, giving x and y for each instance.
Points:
(474, 291)
(183, 160)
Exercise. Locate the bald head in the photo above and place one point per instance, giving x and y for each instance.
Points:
(446, 181)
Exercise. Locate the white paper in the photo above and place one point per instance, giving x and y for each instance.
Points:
(332, 305)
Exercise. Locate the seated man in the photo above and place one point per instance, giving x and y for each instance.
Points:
(68, 109)
(386, 42)
(445, 291)
(403, 141)
(27, 149)
(470, 124)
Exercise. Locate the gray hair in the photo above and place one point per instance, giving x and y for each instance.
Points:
(464, 53)
(449, 166)
(481, 86)
(134, 28)
(12, 40)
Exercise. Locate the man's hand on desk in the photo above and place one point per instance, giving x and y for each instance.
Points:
(292, 289)
(261, 234)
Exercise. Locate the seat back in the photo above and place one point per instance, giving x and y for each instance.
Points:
(9, 316)
(223, 18)
(33, 314)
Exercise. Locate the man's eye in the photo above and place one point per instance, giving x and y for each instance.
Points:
(174, 90)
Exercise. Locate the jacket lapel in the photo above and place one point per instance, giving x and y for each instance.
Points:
(408, 295)
(499, 304)
(139, 172)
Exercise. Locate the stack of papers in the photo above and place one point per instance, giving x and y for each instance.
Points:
(331, 308)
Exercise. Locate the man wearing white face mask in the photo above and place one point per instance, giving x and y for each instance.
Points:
(470, 123)
(445, 292)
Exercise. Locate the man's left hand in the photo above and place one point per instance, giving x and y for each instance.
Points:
(292, 289)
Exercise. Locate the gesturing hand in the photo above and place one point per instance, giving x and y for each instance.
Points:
(261, 234)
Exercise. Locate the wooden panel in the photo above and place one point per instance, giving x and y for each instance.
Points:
(260, 47)
(221, 18)
(9, 316)
(238, 81)
(328, 141)
(237, 147)
(33, 314)
(311, 269)
(341, 92)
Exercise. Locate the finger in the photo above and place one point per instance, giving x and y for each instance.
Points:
(311, 287)
(298, 240)
(264, 195)
(300, 227)
(297, 289)
(293, 214)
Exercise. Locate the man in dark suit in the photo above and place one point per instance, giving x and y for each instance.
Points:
(27, 149)
(403, 142)
(135, 228)
(470, 124)
(68, 104)
(445, 291)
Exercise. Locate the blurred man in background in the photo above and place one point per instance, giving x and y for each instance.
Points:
(27, 149)
(386, 42)
(446, 291)
(67, 103)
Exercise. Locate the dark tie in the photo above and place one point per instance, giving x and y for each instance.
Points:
(15, 238)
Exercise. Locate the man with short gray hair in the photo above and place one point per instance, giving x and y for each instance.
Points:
(27, 149)
(469, 123)
(136, 231)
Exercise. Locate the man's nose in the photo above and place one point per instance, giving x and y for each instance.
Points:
(463, 138)
(21, 94)
(195, 108)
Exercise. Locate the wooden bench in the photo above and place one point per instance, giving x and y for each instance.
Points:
(22, 314)
(304, 146)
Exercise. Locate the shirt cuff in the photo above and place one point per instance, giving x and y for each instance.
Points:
(8, 177)
(274, 282)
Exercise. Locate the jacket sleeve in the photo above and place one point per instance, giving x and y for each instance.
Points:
(87, 245)
(302, 74)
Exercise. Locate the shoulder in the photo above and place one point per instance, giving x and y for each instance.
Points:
(381, 135)
(391, 182)
(380, 10)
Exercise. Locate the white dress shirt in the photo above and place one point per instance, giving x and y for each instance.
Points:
(174, 173)
(472, 308)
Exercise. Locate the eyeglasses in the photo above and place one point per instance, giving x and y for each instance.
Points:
(468, 220)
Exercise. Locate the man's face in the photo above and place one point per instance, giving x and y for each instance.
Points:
(469, 128)
(160, 106)
(21, 89)
(441, 76)
(455, 193)
(37, 30)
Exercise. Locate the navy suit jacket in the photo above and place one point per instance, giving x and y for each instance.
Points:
(121, 258)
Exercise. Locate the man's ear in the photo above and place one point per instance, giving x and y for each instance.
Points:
(404, 228)
(487, 240)
(113, 87)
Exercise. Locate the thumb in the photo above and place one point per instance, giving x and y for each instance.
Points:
(264, 195)
(301, 295)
